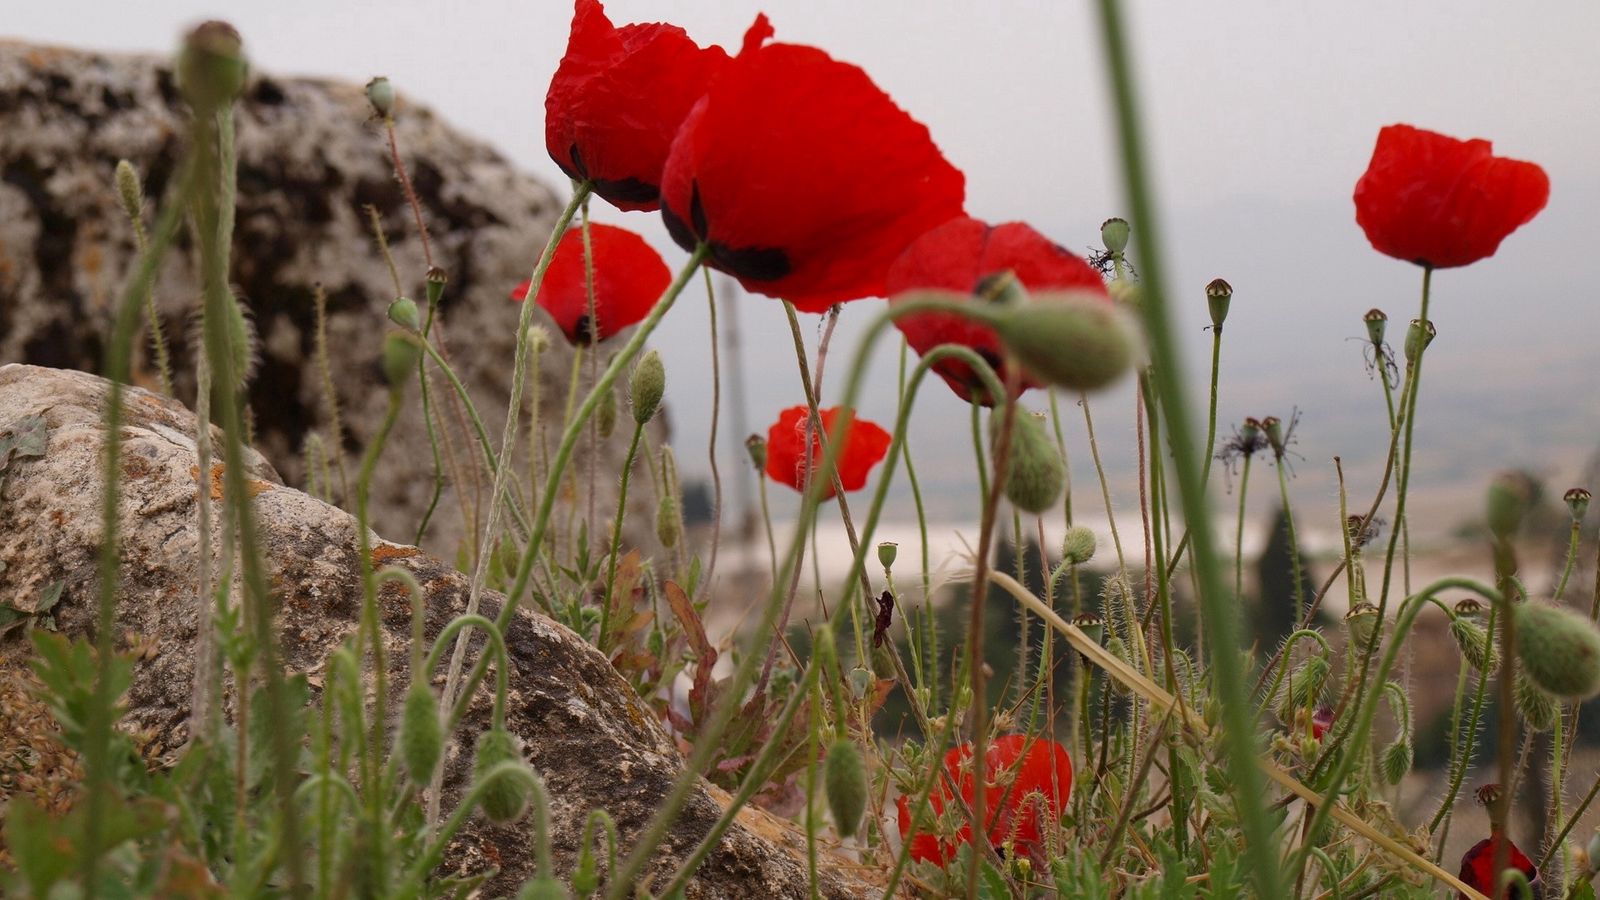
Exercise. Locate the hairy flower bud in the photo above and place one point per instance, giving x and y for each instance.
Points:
(1559, 650)
(1071, 339)
(667, 529)
(756, 446)
(646, 386)
(421, 734)
(1078, 546)
(403, 312)
(1035, 476)
(1219, 294)
(506, 798)
(211, 67)
(400, 357)
(1397, 759)
(1114, 233)
(129, 189)
(1473, 640)
(1537, 708)
(1306, 685)
(1377, 322)
(380, 93)
(844, 778)
(1510, 495)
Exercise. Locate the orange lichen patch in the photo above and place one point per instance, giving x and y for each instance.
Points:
(253, 488)
(136, 467)
(385, 552)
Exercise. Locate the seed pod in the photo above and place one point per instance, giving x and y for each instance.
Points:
(646, 386)
(756, 446)
(1377, 322)
(1071, 339)
(1219, 294)
(403, 312)
(844, 778)
(1361, 620)
(543, 887)
(1537, 708)
(1577, 502)
(380, 93)
(1559, 650)
(606, 416)
(1114, 233)
(506, 799)
(1091, 624)
(1473, 640)
(435, 278)
(1035, 476)
(1079, 544)
(1419, 335)
(667, 530)
(887, 551)
(129, 190)
(1397, 759)
(421, 734)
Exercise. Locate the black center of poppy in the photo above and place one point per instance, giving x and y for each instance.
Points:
(582, 332)
(750, 263)
(623, 190)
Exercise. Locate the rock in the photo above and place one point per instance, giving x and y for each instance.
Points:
(311, 163)
(595, 742)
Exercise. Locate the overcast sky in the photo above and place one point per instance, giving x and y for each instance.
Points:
(1262, 117)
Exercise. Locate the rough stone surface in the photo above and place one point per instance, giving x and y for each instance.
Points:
(594, 741)
(311, 161)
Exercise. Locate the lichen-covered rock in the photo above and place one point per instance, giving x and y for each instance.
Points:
(587, 733)
(312, 162)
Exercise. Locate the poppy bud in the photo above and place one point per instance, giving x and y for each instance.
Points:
(646, 386)
(1474, 643)
(403, 312)
(421, 734)
(400, 357)
(1377, 323)
(1418, 336)
(1537, 708)
(1219, 294)
(1361, 621)
(1071, 339)
(1397, 759)
(606, 415)
(1117, 647)
(887, 551)
(1577, 502)
(380, 93)
(1035, 476)
(1078, 546)
(667, 530)
(844, 778)
(211, 66)
(1510, 495)
(543, 887)
(1114, 233)
(1305, 687)
(506, 799)
(435, 279)
(756, 446)
(1559, 650)
(129, 189)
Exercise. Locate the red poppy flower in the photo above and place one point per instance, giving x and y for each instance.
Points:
(617, 99)
(804, 178)
(629, 277)
(1477, 870)
(864, 446)
(962, 255)
(1435, 201)
(1012, 805)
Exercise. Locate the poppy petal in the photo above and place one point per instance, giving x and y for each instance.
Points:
(629, 277)
(864, 446)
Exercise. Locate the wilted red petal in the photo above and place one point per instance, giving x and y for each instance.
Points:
(629, 277)
(803, 176)
(1477, 869)
(617, 99)
(1321, 721)
(1437, 201)
(1042, 769)
(864, 447)
(960, 255)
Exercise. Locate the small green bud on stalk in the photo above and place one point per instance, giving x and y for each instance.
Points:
(844, 777)
(1559, 649)
(1537, 708)
(506, 800)
(647, 385)
(403, 312)
(1377, 322)
(436, 279)
(1361, 620)
(887, 551)
(1473, 640)
(400, 357)
(667, 530)
(1219, 294)
(1035, 474)
(211, 69)
(1418, 336)
(1078, 546)
(1397, 759)
(1071, 339)
(756, 446)
(1577, 502)
(421, 734)
(1510, 496)
(1114, 233)
(380, 93)
(129, 189)
(543, 887)
(606, 415)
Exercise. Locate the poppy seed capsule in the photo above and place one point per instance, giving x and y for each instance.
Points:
(647, 385)
(1091, 624)
(1035, 476)
(1272, 426)
(887, 551)
(1419, 335)
(400, 357)
(844, 778)
(1071, 339)
(1361, 621)
(380, 93)
(211, 67)
(403, 312)
(129, 189)
(1537, 708)
(756, 446)
(1377, 322)
(1510, 495)
(1114, 233)
(421, 734)
(1559, 650)
(1577, 502)
(435, 279)
(1078, 546)
(1219, 294)
(505, 799)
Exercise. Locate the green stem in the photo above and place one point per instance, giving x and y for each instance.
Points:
(1294, 543)
(616, 537)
